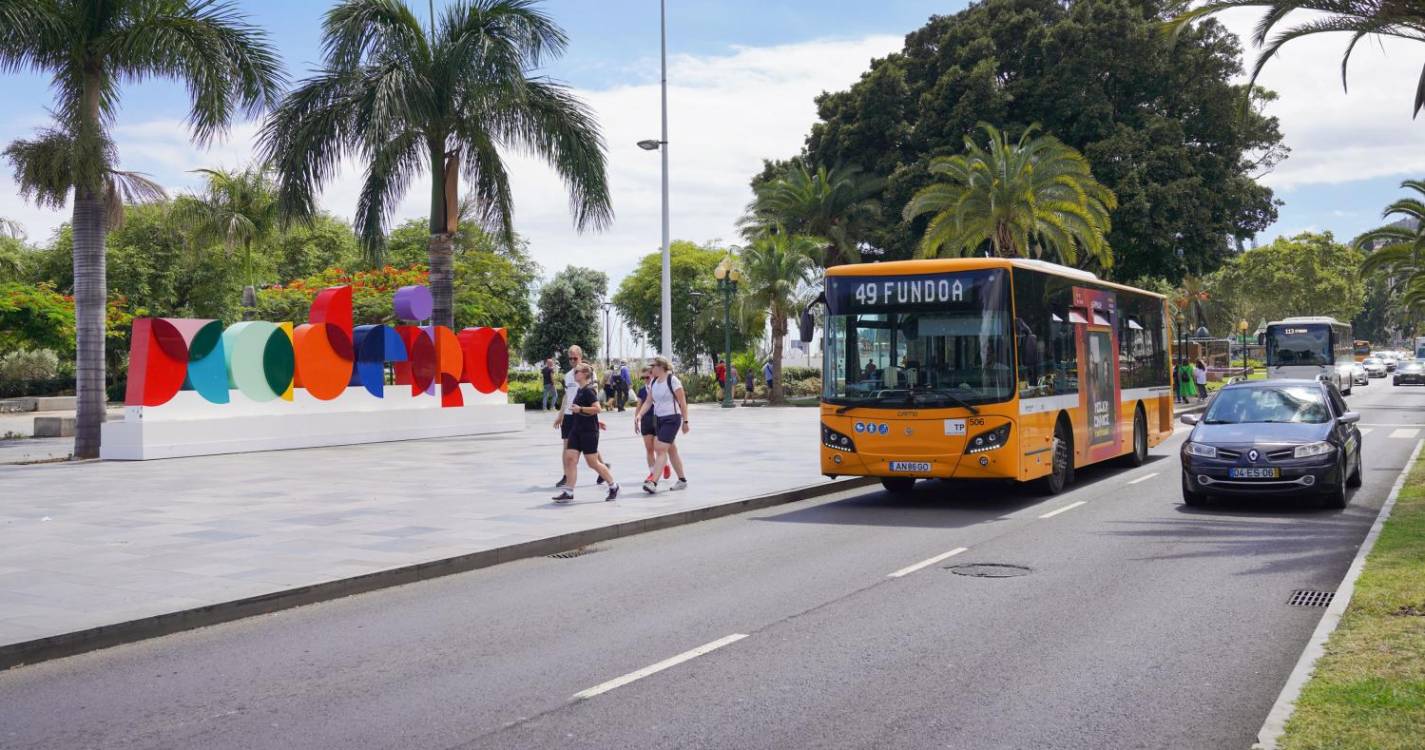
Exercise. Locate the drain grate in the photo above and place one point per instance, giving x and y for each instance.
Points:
(1309, 598)
(576, 552)
(988, 570)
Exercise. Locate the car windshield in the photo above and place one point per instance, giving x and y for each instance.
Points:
(1371, 361)
(1303, 404)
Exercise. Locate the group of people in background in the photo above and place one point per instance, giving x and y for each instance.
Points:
(1191, 380)
(721, 370)
(661, 415)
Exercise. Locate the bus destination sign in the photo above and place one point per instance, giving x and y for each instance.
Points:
(849, 295)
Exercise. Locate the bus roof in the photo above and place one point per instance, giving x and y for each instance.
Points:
(1300, 319)
(951, 265)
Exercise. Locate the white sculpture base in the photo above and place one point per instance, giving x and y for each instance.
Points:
(190, 426)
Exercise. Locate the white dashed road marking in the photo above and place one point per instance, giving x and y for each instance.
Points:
(618, 682)
(1405, 432)
(1144, 478)
(1366, 431)
(1064, 509)
(927, 563)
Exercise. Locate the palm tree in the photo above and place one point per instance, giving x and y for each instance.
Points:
(443, 104)
(1398, 249)
(834, 203)
(1025, 199)
(89, 47)
(775, 266)
(236, 209)
(1403, 19)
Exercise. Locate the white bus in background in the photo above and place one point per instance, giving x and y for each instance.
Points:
(1419, 347)
(1311, 348)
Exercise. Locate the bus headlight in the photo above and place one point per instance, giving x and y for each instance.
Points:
(836, 441)
(988, 441)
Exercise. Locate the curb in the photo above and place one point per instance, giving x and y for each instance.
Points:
(1275, 723)
(106, 636)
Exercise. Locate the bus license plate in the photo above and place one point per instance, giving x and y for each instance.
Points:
(1254, 473)
(915, 466)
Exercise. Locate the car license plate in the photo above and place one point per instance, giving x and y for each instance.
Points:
(1254, 473)
(914, 466)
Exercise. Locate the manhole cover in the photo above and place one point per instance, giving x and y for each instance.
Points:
(1309, 598)
(578, 552)
(988, 570)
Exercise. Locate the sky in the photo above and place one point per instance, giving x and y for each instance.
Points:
(742, 78)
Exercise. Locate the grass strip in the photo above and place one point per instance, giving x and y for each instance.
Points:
(1368, 690)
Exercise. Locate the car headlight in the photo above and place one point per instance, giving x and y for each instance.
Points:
(836, 440)
(1313, 449)
(988, 441)
(1198, 449)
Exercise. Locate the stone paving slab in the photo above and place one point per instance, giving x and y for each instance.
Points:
(89, 544)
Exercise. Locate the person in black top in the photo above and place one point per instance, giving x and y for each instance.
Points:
(584, 436)
(551, 399)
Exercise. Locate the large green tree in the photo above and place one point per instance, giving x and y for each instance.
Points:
(696, 300)
(440, 102)
(237, 209)
(1160, 123)
(836, 203)
(1028, 199)
(1361, 19)
(88, 48)
(776, 268)
(1395, 251)
(1307, 274)
(567, 313)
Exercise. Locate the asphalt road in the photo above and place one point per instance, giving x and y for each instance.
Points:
(1138, 624)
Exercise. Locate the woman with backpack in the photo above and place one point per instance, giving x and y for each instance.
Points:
(584, 437)
(669, 406)
(647, 425)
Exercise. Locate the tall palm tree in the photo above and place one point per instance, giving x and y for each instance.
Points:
(1024, 199)
(835, 203)
(236, 210)
(442, 102)
(89, 47)
(1403, 19)
(1398, 248)
(775, 266)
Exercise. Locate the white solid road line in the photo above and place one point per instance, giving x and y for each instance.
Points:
(659, 667)
(1143, 478)
(1405, 432)
(1065, 509)
(926, 563)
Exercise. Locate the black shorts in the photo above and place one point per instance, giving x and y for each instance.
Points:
(648, 426)
(584, 441)
(668, 427)
(566, 428)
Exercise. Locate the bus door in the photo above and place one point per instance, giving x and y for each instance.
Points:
(1098, 369)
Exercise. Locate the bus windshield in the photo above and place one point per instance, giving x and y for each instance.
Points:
(929, 340)
(1299, 344)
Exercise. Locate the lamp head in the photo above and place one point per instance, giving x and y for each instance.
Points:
(650, 145)
(736, 275)
(720, 272)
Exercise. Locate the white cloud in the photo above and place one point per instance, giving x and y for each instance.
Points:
(726, 113)
(1339, 136)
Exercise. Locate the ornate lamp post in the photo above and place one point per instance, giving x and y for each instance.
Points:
(608, 345)
(1242, 328)
(727, 275)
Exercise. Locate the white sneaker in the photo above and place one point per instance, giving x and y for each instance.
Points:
(681, 484)
(650, 486)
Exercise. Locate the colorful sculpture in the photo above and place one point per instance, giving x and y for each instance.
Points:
(266, 361)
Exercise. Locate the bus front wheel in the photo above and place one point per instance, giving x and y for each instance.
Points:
(898, 485)
(1061, 472)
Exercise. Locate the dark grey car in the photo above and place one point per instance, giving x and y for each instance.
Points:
(1273, 437)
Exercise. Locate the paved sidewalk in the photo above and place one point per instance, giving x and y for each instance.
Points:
(98, 543)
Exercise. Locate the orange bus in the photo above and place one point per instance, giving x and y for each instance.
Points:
(989, 368)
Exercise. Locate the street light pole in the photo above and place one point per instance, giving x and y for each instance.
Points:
(667, 285)
(608, 353)
(1242, 327)
(727, 276)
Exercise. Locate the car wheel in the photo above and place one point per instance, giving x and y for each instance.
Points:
(1139, 455)
(898, 485)
(1355, 479)
(1336, 497)
(1192, 499)
(1061, 459)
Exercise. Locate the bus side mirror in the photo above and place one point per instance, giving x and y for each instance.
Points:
(806, 326)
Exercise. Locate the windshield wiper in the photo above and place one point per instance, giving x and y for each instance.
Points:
(910, 399)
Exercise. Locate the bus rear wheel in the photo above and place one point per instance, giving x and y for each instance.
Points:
(1139, 455)
(898, 485)
(1061, 472)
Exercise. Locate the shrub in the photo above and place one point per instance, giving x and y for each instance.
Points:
(529, 393)
(523, 376)
(36, 364)
(800, 373)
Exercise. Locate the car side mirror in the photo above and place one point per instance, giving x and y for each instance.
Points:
(1350, 417)
(1190, 420)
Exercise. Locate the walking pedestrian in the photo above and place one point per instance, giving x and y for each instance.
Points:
(610, 387)
(551, 398)
(623, 385)
(584, 437)
(648, 424)
(669, 404)
(563, 423)
(1200, 378)
(1187, 388)
(767, 375)
(720, 370)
